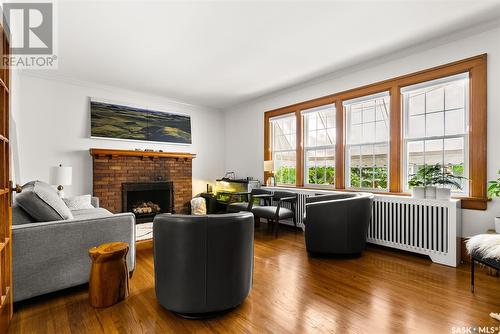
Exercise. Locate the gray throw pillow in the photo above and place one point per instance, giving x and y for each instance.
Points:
(42, 202)
(79, 202)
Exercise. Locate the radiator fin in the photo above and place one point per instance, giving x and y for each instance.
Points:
(410, 225)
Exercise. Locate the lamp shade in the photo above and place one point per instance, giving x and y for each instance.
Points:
(61, 175)
(268, 166)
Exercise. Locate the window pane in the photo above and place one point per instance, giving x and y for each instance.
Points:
(454, 122)
(380, 152)
(367, 177)
(380, 178)
(367, 155)
(454, 163)
(330, 166)
(311, 166)
(416, 104)
(368, 124)
(415, 158)
(434, 100)
(368, 132)
(454, 95)
(322, 139)
(283, 132)
(356, 117)
(434, 124)
(355, 156)
(330, 120)
(311, 139)
(284, 163)
(355, 177)
(416, 126)
(381, 131)
(320, 166)
(434, 152)
(355, 134)
(369, 115)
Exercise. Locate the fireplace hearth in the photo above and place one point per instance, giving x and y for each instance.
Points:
(147, 199)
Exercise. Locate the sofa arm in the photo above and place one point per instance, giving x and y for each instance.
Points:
(94, 201)
(51, 256)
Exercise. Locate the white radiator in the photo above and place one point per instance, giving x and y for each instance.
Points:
(429, 227)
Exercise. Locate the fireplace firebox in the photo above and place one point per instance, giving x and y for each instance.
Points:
(147, 199)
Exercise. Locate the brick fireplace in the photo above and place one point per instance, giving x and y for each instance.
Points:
(113, 168)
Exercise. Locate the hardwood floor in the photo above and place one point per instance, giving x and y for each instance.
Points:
(383, 291)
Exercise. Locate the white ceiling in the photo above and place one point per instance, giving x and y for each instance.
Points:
(221, 53)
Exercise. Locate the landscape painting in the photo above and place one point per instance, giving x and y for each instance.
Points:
(122, 122)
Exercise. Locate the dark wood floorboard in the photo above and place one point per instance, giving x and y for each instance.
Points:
(384, 291)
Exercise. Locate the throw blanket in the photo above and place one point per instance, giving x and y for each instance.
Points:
(486, 245)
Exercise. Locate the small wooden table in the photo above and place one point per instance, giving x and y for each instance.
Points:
(108, 283)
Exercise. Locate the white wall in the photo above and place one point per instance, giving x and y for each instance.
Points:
(52, 121)
(245, 123)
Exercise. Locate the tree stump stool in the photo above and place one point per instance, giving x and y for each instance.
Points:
(108, 283)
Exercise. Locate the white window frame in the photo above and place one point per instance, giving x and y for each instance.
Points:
(315, 148)
(348, 146)
(294, 150)
(465, 135)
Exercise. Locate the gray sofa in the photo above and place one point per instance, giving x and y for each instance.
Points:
(53, 255)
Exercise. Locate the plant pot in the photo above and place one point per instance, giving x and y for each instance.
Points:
(430, 192)
(418, 192)
(497, 224)
(443, 194)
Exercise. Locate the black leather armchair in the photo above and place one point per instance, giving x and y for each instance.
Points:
(338, 223)
(260, 195)
(275, 213)
(203, 264)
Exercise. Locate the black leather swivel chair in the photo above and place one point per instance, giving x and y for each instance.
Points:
(337, 224)
(203, 264)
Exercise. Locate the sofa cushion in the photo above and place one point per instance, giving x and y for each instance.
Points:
(79, 202)
(42, 202)
(90, 213)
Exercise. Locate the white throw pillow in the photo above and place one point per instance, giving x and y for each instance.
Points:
(78, 202)
(198, 206)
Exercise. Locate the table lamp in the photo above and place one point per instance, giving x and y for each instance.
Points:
(269, 167)
(61, 176)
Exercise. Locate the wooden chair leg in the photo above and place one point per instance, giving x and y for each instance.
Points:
(472, 275)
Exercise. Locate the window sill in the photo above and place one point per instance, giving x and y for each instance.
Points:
(469, 203)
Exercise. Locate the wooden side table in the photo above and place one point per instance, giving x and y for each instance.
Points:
(108, 283)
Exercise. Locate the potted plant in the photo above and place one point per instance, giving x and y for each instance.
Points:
(429, 177)
(494, 192)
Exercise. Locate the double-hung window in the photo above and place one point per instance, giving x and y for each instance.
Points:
(435, 133)
(283, 141)
(319, 145)
(367, 141)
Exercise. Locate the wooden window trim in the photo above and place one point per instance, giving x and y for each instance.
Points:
(475, 66)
